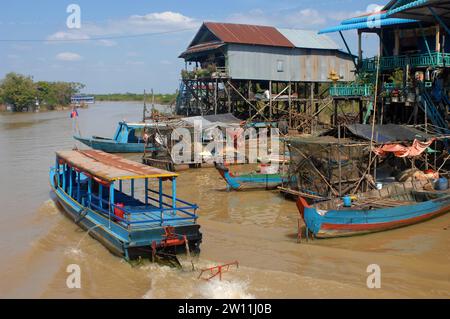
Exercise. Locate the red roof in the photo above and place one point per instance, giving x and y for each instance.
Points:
(248, 34)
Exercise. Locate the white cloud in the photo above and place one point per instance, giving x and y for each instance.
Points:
(136, 24)
(68, 36)
(107, 43)
(300, 18)
(167, 19)
(255, 16)
(165, 62)
(68, 56)
(371, 8)
(306, 18)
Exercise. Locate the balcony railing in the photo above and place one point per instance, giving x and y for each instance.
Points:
(212, 72)
(351, 90)
(435, 59)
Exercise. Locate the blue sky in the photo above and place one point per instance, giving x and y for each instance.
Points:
(135, 64)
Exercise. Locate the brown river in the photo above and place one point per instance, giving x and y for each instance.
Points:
(256, 228)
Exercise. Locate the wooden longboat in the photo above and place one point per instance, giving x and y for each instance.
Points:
(396, 205)
(126, 139)
(251, 180)
(90, 186)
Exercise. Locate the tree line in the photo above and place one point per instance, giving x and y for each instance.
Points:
(23, 94)
(131, 97)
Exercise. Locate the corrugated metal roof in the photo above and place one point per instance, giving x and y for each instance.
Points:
(308, 39)
(202, 47)
(248, 34)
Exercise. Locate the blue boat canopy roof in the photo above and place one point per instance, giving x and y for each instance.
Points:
(420, 9)
(367, 22)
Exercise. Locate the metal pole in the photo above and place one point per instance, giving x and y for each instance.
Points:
(441, 22)
(290, 104)
(111, 197)
(174, 194)
(70, 181)
(339, 160)
(64, 177)
(348, 50)
(270, 100)
(160, 193)
(100, 195)
(146, 191)
(78, 186)
(89, 191)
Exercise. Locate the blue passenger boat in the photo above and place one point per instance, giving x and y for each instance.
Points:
(128, 138)
(99, 192)
(394, 206)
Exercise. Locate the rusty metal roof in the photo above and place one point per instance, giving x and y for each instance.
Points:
(202, 47)
(248, 34)
(110, 167)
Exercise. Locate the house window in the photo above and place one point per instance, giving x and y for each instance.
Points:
(280, 66)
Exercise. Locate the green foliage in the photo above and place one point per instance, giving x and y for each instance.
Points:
(365, 78)
(21, 92)
(397, 77)
(122, 97)
(18, 90)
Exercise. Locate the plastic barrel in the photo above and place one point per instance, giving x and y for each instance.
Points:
(347, 201)
(441, 184)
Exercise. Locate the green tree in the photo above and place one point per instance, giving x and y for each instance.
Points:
(52, 94)
(18, 90)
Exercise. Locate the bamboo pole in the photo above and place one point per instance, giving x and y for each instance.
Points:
(374, 109)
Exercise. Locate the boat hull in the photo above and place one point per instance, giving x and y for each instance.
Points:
(343, 223)
(117, 239)
(111, 146)
(251, 181)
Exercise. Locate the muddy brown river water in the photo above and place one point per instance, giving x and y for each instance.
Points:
(256, 228)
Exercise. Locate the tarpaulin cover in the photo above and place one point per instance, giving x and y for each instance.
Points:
(388, 133)
(399, 150)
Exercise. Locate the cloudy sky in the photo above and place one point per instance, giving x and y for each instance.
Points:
(129, 46)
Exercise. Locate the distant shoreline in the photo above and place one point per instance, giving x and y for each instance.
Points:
(128, 101)
(161, 99)
(58, 108)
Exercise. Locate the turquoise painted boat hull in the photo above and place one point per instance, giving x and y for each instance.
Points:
(251, 181)
(119, 240)
(111, 146)
(349, 222)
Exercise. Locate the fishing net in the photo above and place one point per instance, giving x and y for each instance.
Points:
(325, 166)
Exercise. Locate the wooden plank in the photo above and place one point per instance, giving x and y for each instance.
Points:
(110, 167)
(293, 192)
